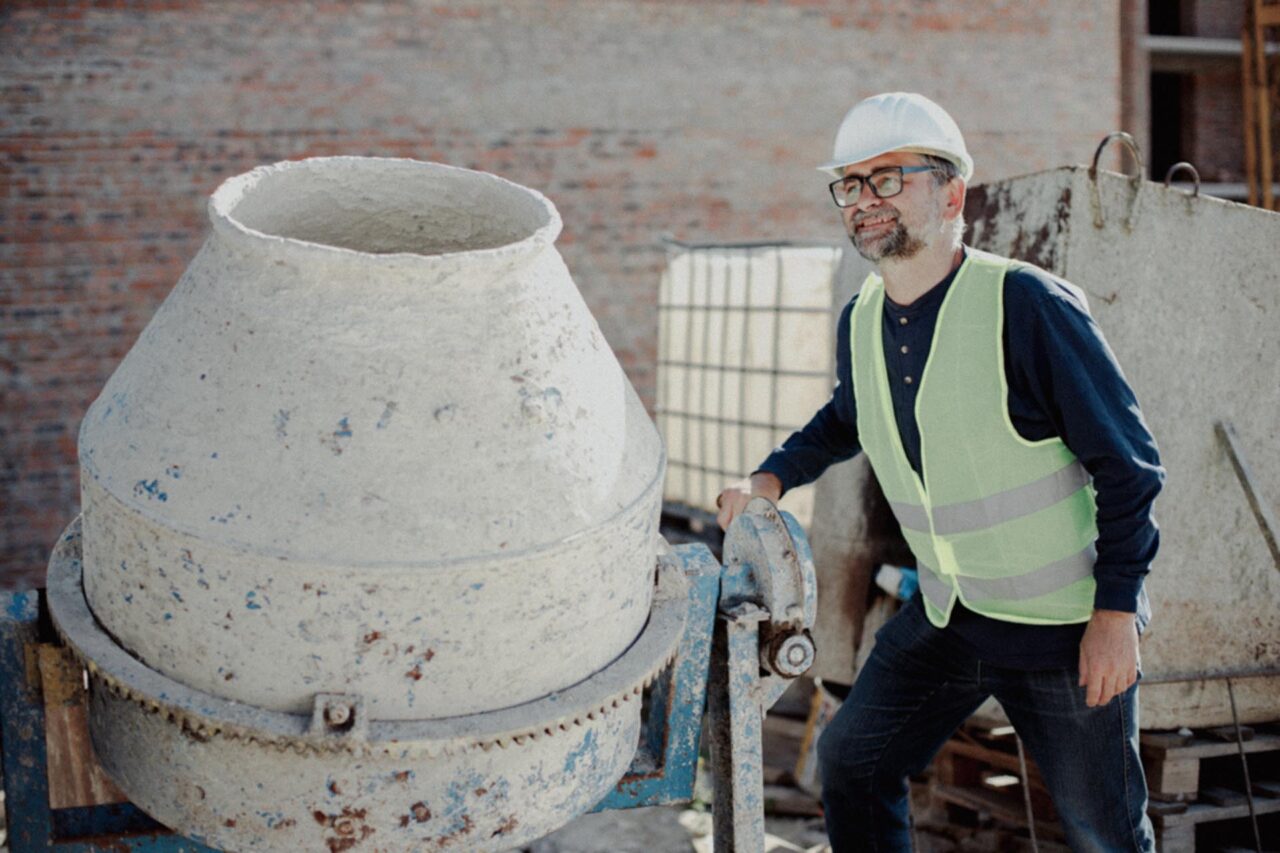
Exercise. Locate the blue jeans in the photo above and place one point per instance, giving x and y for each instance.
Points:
(917, 688)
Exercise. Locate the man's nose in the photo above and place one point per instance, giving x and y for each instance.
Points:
(866, 199)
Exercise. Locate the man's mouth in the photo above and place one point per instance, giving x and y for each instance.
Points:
(874, 224)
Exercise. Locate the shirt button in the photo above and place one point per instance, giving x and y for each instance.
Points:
(907, 379)
(905, 349)
(902, 321)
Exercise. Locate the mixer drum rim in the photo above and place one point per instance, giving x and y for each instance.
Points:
(206, 714)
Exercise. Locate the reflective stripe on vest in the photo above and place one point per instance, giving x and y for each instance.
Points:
(1033, 584)
(996, 509)
(1001, 522)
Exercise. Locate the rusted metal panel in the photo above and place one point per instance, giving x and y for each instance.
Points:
(1039, 237)
(1187, 291)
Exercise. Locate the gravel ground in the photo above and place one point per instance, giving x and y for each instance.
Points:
(671, 829)
(679, 829)
(682, 830)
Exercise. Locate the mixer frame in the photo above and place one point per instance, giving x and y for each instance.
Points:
(723, 665)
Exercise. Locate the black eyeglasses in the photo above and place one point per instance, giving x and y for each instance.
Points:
(884, 183)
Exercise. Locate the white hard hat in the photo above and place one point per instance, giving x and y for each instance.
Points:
(897, 121)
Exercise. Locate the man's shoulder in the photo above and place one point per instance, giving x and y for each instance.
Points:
(848, 308)
(1031, 288)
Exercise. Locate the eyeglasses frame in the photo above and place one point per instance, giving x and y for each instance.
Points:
(865, 180)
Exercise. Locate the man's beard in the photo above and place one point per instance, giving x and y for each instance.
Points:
(898, 244)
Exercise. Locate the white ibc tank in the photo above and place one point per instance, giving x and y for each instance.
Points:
(372, 443)
(745, 356)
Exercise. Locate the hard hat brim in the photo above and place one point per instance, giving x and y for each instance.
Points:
(835, 168)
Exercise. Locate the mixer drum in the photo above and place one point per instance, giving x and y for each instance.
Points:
(373, 445)
(372, 442)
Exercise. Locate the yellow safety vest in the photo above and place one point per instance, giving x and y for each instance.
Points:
(1005, 524)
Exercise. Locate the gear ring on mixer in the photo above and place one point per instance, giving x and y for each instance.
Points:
(198, 762)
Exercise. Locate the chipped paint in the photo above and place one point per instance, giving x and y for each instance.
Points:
(384, 420)
(587, 748)
(151, 490)
(19, 604)
(338, 439)
(281, 419)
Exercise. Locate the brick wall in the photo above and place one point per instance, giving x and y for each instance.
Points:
(1215, 108)
(637, 118)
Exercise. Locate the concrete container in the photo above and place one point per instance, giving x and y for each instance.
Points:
(1187, 291)
(372, 443)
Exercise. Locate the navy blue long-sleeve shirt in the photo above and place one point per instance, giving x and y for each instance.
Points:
(1063, 381)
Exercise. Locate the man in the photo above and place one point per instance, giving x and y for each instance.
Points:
(1015, 458)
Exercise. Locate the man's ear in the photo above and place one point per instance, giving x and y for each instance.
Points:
(955, 198)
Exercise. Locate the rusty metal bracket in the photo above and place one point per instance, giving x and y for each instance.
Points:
(1261, 509)
(768, 564)
(768, 603)
(1135, 181)
(339, 715)
(735, 727)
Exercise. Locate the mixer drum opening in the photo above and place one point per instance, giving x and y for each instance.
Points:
(397, 207)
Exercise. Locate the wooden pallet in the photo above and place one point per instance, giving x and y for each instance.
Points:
(1197, 779)
(1193, 779)
(978, 774)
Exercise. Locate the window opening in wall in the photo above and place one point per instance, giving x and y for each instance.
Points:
(1168, 95)
(1165, 17)
(1169, 92)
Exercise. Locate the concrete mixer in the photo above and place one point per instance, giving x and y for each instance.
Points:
(368, 555)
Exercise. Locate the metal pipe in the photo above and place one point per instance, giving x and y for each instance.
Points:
(1261, 510)
(1244, 765)
(1213, 675)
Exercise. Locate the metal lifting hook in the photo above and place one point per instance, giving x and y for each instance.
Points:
(1135, 180)
(1184, 166)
